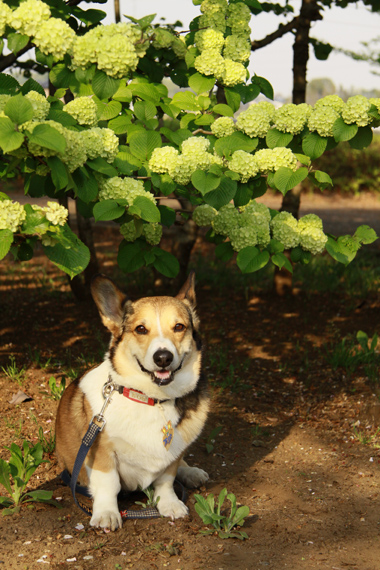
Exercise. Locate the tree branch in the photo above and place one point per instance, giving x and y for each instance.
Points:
(282, 30)
(8, 60)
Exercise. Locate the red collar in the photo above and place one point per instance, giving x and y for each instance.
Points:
(137, 396)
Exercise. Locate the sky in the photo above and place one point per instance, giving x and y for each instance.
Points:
(343, 28)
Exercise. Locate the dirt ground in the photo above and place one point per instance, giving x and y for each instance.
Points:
(298, 442)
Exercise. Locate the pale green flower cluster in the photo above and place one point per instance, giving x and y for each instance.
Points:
(123, 188)
(12, 214)
(284, 228)
(54, 37)
(204, 215)
(256, 120)
(376, 102)
(40, 104)
(54, 213)
(271, 159)
(244, 164)
(129, 231)
(227, 68)
(312, 237)
(152, 233)
(226, 220)
(333, 101)
(356, 111)
(180, 167)
(322, 120)
(84, 111)
(5, 15)
(243, 236)
(29, 16)
(223, 127)
(101, 142)
(257, 208)
(114, 49)
(291, 118)
(165, 39)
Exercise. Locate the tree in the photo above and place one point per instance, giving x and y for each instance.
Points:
(107, 147)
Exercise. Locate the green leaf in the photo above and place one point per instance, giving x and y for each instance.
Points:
(233, 99)
(48, 137)
(362, 139)
(281, 261)
(86, 185)
(8, 84)
(243, 195)
(204, 182)
(103, 85)
(342, 131)
(321, 179)
(143, 143)
(60, 76)
(130, 256)
(149, 211)
(19, 109)
(17, 42)
(61, 117)
(265, 87)
(224, 110)
(32, 85)
(109, 110)
(250, 259)
(101, 165)
(342, 250)
(144, 110)
(223, 194)
(107, 210)
(120, 124)
(224, 251)
(313, 145)
(123, 94)
(276, 138)
(59, 172)
(6, 240)
(10, 139)
(166, 263)
(186, 101)
(236, 141)
(70, 255)
(200, 83)
(145, 91)
(365, 234)
(285, 179)
(168, 215)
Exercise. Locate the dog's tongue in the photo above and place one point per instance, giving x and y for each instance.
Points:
(164, 375)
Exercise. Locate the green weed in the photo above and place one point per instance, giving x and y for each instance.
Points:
(13, 426)
(151, 501)
(47, 442)
(223, 524)
(210, 441)
(15, 474)
(56, 390)
(35, 357)
(365, 438)
(13, 372)
(348, 355)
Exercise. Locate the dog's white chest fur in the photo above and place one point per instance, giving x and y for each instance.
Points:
(135, 431)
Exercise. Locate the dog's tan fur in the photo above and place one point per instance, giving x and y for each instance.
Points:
(129, 452)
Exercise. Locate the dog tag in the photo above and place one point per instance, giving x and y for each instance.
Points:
(168, 432)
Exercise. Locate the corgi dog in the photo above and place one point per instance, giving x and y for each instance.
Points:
(160, 409)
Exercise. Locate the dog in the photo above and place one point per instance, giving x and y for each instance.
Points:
(155, 356)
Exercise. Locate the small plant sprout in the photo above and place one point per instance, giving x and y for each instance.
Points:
(47, 441)
(13, 372)
(15, 475)
(56, 390)
(151, 501)
(211, 514)
(210, 440)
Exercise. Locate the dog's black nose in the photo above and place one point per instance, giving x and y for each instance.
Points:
(163, 358)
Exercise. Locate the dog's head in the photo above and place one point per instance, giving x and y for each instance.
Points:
(155, 345)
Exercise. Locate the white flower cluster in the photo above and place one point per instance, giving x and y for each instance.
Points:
(244, 164)
(204, 215)
(123, 188)
(257, 119)
(333, 101)
(12, 214)
(40, 104)
(5, 15)
(129, 231)
(29, 16)
(164, 39)
(223, 127)
(194, 155)
(322, 120)
(271, 159)
(84, 111)
(307, 232)
(101, 142)
(115, 49)
(228, 67)
(292, 118)
(54, 213)
(356, 111)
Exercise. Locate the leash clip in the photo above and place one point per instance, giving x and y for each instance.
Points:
(107, 391)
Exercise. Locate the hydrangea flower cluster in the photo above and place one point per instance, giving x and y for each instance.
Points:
(152, 233)
(322, 120)
(84, 111)
(223, 127)
(129, 231)
(5, 15)
(271, 159)
(226, 220)
(40, 104)
(333, 101)
(54, 37)
(244, 164)
(356, 111)
(12, 214)
(217, 15)
(307, 232)
(164, 39)
(54, 213)
(113, 48)
(284, 228)
(256, 120)
(204, 215)
(123, 188)
(101, 142)
(29, 16)
(292, 118)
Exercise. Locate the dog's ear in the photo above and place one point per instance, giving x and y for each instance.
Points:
(109, 300)
(188, 290)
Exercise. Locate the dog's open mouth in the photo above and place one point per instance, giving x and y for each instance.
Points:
(160, 377)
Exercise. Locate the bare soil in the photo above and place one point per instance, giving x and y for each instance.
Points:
(298, 442)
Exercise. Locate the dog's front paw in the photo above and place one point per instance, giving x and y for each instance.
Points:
(175, 509)
(192, 477)
(106, 519)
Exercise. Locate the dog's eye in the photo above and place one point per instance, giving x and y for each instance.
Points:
(179, 327)
(141, 330)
